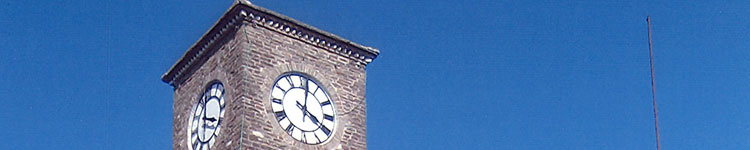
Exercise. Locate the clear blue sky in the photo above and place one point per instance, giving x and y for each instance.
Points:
(452, 74)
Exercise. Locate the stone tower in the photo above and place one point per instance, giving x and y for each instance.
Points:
(260, 80)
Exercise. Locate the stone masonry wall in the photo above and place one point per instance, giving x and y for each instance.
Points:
(272, 54)
(226, 66)
(248, 63)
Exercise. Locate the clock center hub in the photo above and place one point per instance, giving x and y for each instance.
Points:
(302, 109)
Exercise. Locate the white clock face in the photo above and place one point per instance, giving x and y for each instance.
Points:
(207, 115)
(303, 109)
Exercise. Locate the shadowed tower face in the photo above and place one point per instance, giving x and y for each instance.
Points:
(261, 80)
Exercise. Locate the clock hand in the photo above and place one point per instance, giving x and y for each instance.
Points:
(203, 121)
(305, 106)
(315, 120)
(306, 91)
(304, 110)
(306, 113)
(212, 119)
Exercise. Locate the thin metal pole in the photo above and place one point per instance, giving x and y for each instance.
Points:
(653, 84)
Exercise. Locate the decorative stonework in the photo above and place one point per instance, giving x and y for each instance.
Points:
(273, 21)
(313, 36)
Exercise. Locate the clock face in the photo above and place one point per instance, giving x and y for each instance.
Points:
(303, 109)
(207, 115)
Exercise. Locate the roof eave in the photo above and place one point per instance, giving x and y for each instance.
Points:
(185, 63)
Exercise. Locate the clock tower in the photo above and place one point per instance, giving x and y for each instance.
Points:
(261, 80)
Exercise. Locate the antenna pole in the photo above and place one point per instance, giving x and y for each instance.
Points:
(653, 84)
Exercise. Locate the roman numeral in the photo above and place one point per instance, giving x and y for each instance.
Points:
(196, 144)
(289, 129)
(280, 115)
(325, 103)
(289, 79)
(282, 89)
(328, 117)
(277, 101)
(326, 130)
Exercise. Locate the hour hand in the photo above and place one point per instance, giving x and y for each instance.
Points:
(209, 119)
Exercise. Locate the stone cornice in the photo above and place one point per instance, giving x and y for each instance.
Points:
(244, 11)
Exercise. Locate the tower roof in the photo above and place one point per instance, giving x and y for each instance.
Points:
(243, 10)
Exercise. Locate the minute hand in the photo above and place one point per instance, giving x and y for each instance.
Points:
(307, 90)
(304, 106)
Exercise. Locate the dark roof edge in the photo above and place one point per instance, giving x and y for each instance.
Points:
(231, 19)
(197, 49)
